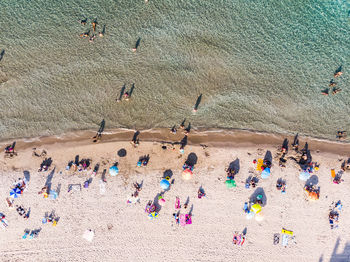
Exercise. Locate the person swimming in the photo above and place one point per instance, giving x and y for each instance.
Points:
(83, 21)
(86, 34)
(126, 96)
(102, 33)
(332, 83)
(336, 74)
(336, 90)
(325, 92)
(92, 38)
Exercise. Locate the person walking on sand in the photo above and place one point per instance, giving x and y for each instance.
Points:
(173, 130)
(94, 24)
(137, 44)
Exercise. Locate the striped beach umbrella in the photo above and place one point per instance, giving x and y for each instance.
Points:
(15, 192)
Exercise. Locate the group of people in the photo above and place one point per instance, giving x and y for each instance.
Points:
(94, 25)
(10, 150)
(187, 130)
(333, 84)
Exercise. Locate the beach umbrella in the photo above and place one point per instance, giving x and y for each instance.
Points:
(152, 215)
(230, 183)
(265, 173)
(15, 192)
(187, 174)
(89, 235)
(164, 184)
(304, 176)
(259, 216)
(250, 215)
(122, 152)
(256, 208)
(113, 170)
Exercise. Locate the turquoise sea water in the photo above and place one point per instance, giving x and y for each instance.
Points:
(259, 64)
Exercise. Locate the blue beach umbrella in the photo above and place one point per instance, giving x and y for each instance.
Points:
(113, 170)
(164, 184)
(15, 192)
(265, 173)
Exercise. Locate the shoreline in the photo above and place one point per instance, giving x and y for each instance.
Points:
(201, 136)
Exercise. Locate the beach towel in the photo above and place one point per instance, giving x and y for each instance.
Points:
(102, 187)
(177, 203)
(285, 238)
(188, 219)
(333, 173)
(288, 232)
(259, 164)
(183, 220)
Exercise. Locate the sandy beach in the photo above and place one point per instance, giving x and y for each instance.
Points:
(123, 231)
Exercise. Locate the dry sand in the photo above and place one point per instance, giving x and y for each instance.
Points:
(133, 237)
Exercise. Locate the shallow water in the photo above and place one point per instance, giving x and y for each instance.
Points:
(260, 65)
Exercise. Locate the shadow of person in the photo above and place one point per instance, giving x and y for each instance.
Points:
(268, 158)
(135, 136)
(234, 165)
(199, 99)
(49, 179)
(26, 175)
(102, 126)
(168, 173)
(137, 44)
(183, 142)
(122, 91)
(156, 203)
(259, 192)
(339, 69)
(191, 159)
(131, 90)
(191, 210)
(2, 54)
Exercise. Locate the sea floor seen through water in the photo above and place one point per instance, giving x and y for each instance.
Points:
(259, 65)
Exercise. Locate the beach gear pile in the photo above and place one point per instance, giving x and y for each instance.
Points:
(264, 166)
(334, 214)
(230, 176)
(181, 219)
(313, 193)
(30, 234)
(143, 161)
(337, 177)
(254, 209)
(3, 221)
(44, 166)
(52, 218)
(18, 188)
(281, 185)
(238, 239)
(151, 210)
